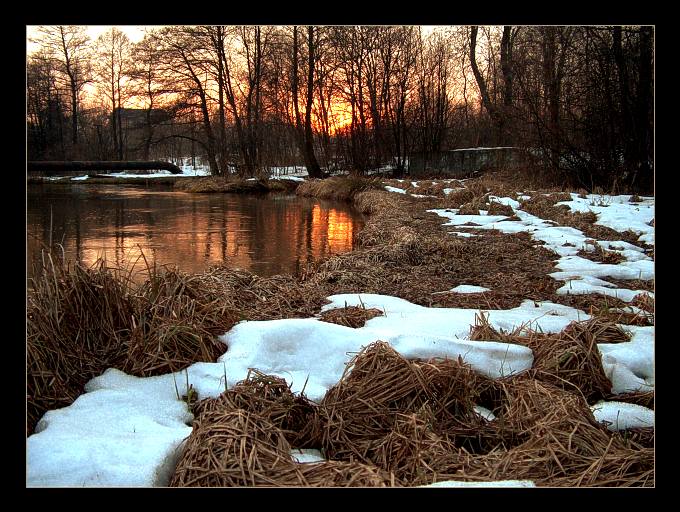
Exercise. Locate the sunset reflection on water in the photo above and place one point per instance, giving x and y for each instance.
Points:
(128, 225)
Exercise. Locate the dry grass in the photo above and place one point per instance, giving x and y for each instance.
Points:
(338, 189)
(222, 184)
(474, 192)
(602, 255)
(350, 316)
(572, 361)
(433, 188)
(78, 320)
(496, 208)
(396, 422)
(379, 387)
(644, 301)
(569, 359)
(269, 397)
(83, 320)
(553, 439)
(231, 448)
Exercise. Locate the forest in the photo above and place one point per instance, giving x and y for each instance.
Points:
(578, 99)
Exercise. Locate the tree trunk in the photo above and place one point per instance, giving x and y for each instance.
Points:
(644, 119)
(486, 100)
(507, 69)
(313, 169)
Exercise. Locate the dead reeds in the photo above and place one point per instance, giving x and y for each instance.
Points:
(83, 320)
(396, 422)
(76, 324)
(231, 448)
(336, 188)
(234, 184)
(569, 359)
(350, 316)
(473, 192)
(378, 387)
(269, 397)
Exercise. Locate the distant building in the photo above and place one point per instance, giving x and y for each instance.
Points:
(464, 162)
(136, 118)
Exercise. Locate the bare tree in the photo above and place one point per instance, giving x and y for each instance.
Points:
(68, 47)
(482, 84)
(147, 84)
(112, 49)
(304, 129)
(187, 63)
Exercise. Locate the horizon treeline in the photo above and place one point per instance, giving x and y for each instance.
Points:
(352, 98)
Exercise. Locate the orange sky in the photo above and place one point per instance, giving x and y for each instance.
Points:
(134, 32)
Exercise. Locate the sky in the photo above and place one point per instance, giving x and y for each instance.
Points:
(126, 431)
(134, 32)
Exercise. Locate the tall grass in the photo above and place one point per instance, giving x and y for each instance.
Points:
(82, 320)
(338, 188)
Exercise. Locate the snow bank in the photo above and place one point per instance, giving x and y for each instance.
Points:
(124, 431)
(469, 288)
(623, 416)
(303, 455)
(499, 483)
(617, 212)
(630, 365)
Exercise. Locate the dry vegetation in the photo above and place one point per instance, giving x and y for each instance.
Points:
(389, 421)
(221, 184)
(393, 422)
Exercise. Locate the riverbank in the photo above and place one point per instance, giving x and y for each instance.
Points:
(109, 180)
(405, 251)
(232, 184)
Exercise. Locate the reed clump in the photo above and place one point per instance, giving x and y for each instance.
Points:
(234, 184)
(392, 421)
(77, 322)
(269, 397)
(83, 320)
(338, 188)
(350, 316)
(378, 387)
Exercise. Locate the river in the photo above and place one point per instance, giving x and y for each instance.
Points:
(267, 235)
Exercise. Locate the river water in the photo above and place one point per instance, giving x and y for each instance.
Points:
(267, 235)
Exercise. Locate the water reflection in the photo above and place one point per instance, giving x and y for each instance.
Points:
(266, 235)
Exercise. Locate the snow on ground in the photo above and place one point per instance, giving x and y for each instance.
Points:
(469, 288)
(623, 416)
(291, 178)
(630, 365)
(288, 172)
(395, 189)
(581, 275)
(499, 483)
(617, 212)
(304, 455)
(124, 431)
(484, 413)
(128, 431)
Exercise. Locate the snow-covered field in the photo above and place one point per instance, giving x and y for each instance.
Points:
(128, 431)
